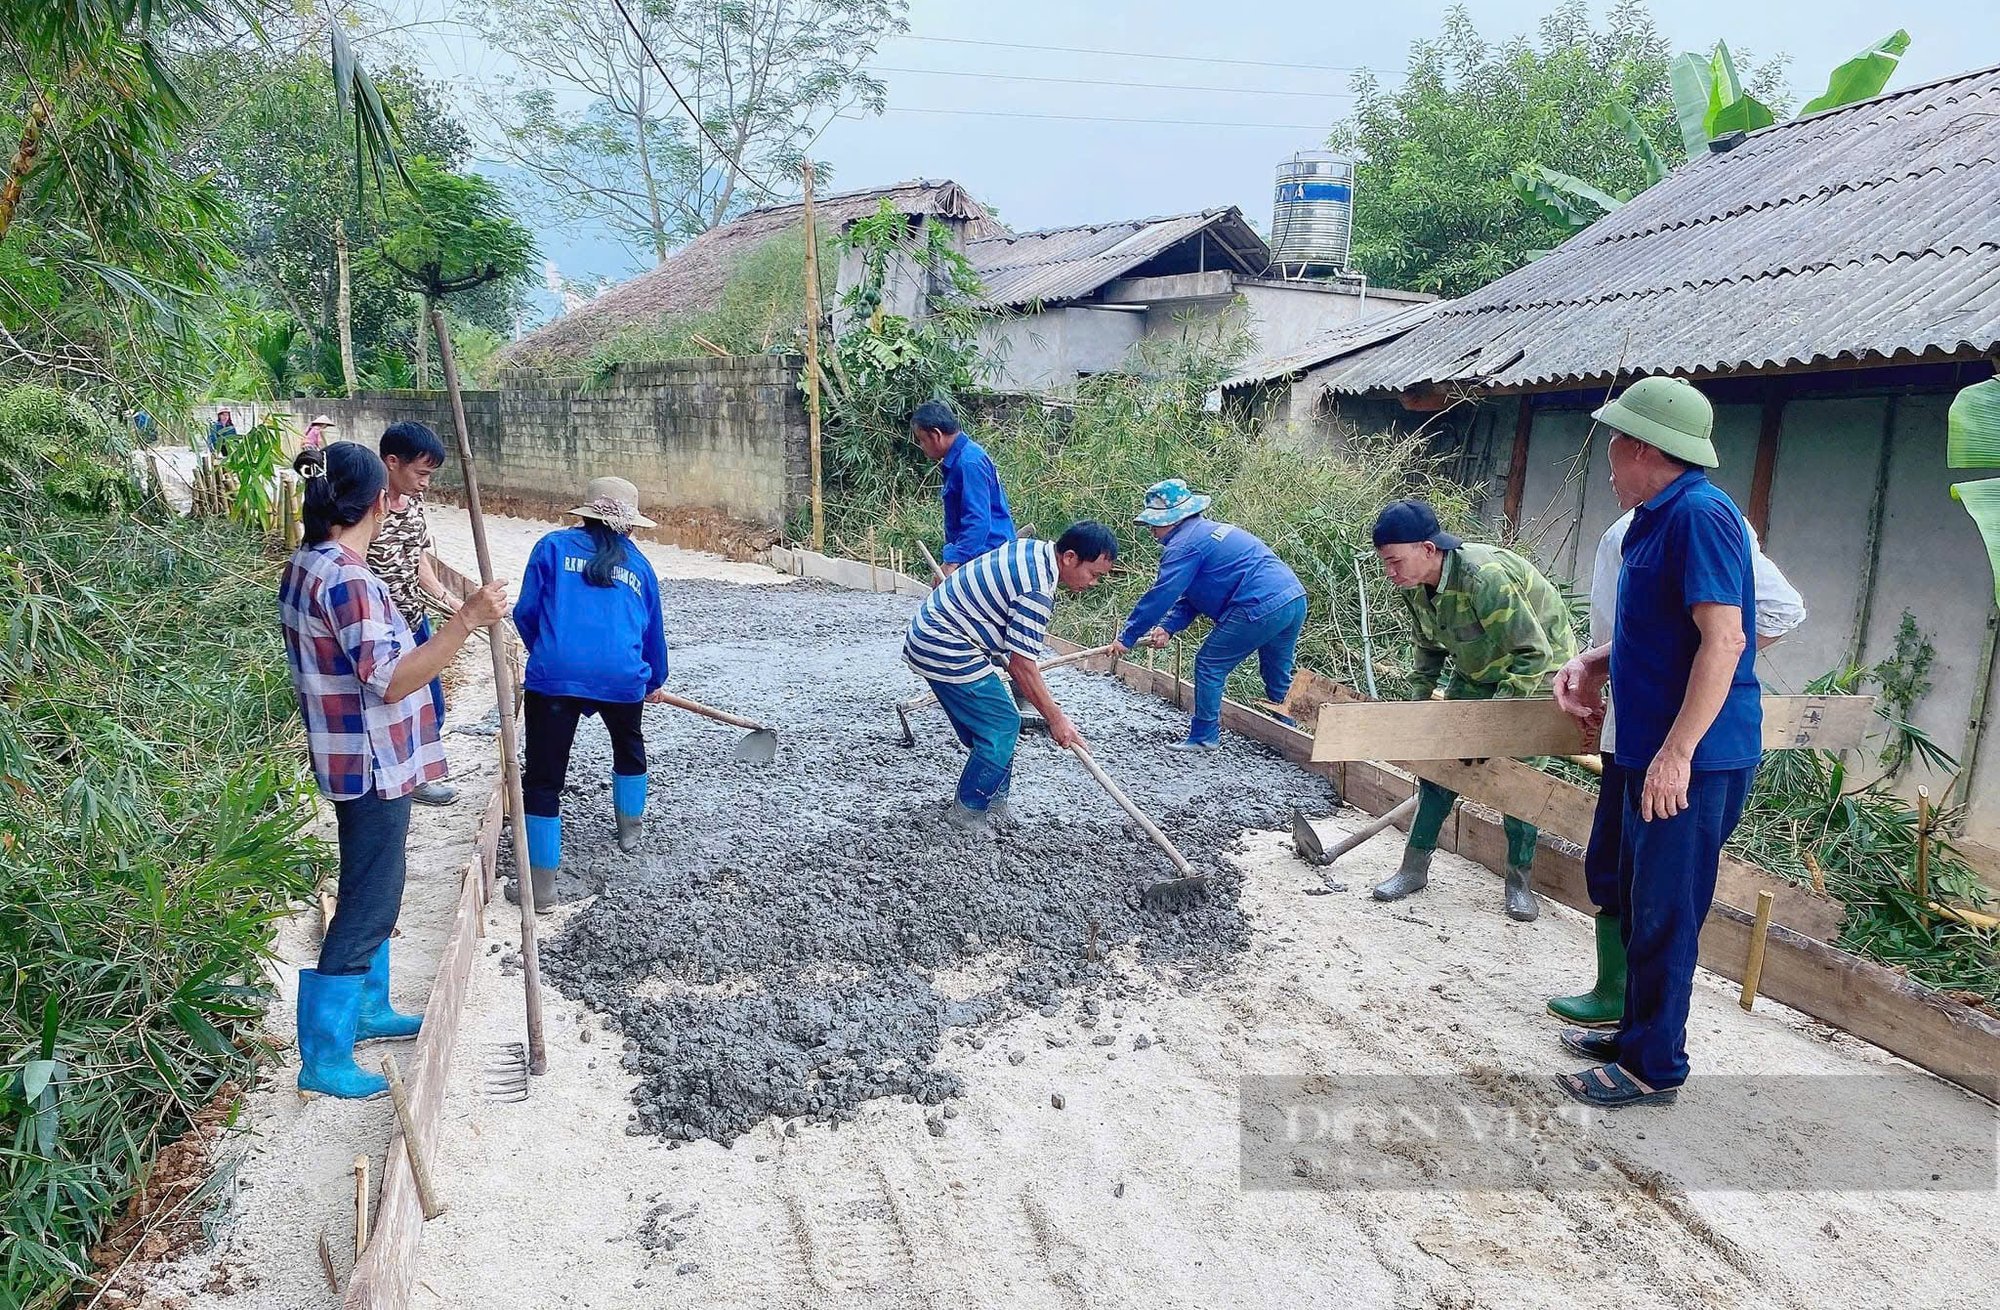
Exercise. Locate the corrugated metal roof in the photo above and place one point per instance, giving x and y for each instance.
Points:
(1064, 264)
(1331, 344)
(1868, 232)
(692, 277)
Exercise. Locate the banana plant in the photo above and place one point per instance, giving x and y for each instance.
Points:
(1710, 102)
(1574, 204)
(1972, 441)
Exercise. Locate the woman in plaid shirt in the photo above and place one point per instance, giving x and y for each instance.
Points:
(362, 681)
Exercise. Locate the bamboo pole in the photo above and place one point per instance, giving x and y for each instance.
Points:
(1923, 846)
(812, 361)
(360, 1206)
(503, 690)
(406, 1119)
(1753, 967)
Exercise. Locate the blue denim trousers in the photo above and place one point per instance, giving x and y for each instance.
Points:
(1667, 882)
(372, 833)
(1273, 639)
(422, 628)
(983, 715)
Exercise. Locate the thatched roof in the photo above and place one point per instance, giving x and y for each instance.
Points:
(692, 278)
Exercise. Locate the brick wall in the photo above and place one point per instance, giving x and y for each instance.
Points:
(700, 438)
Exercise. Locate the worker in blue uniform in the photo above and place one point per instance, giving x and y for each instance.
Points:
(1219, 572)
(976, 518)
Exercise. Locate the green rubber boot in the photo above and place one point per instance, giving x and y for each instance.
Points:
(1603, 1006)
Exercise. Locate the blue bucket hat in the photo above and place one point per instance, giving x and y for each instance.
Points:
(1167, 503)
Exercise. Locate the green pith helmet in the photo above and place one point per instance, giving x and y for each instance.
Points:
(1668, 413)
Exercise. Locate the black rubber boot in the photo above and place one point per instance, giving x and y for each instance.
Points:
(1412, 876)
(1522, 907)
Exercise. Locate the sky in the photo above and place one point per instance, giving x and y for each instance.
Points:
(1282, 67)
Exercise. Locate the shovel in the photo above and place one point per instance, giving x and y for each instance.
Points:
(904, 708)
(759, 747)
(1173, 893)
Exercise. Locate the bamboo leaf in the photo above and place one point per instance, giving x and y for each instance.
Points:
(35, 1078)
(1862, 77)
(1972, 427)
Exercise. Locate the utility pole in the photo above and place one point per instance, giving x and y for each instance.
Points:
(812, 361)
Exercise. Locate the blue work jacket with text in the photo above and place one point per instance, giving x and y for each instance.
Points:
(1212, 569)
(976, 518)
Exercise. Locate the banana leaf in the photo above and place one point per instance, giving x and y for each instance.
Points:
(1690, 78)
(1972, 428)
(1649, 154)
(1746, 113)
(1569, 202)
(1863, 76)
(1982, 501)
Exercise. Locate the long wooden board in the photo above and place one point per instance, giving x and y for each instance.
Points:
(1519, 729)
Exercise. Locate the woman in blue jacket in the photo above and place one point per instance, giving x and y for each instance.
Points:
(590, 617)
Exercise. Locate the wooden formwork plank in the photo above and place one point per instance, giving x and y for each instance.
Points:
(1520, 729)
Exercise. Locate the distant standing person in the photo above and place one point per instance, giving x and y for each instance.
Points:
(1682, 667)
(1227, 576)
(400, 554)
(221, 432)
(996, 610)
(591, 619)
(360, 673)
(976, 518)
(1504, 630)
(317, 433)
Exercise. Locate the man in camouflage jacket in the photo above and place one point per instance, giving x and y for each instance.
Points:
(1503, 629)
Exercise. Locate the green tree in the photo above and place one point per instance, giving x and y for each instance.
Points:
(1435, 206)
(276, 143)
(453, 234)
(757, 81)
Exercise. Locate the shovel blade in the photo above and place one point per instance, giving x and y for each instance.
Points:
(759, 747)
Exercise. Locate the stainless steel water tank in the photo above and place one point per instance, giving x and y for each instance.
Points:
(1312, 213)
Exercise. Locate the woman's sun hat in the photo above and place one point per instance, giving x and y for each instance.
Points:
(614, 502)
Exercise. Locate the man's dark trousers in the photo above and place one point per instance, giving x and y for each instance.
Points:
(1667, 883)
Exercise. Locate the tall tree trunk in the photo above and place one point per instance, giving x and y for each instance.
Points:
(344, 307)
(423, 341)
(655, 220)
(23, 163)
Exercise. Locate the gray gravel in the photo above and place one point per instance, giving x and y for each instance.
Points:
(770, 948)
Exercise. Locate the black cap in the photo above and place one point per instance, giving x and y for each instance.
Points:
(1404, 521)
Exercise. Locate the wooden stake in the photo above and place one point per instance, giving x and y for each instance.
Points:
(420, 1169)
(327, 905)
(872, 584)
(812, 360)
(504, 691)
(1753, 967)
(360, 1206)
(326, 1263)
(1923, 845)
(287, 518)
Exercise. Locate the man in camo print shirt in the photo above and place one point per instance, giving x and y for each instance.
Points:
(1504, 630)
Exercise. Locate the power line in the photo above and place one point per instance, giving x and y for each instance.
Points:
(1088, 81)
(688, 109)
(1092, 118)
(1128, 54)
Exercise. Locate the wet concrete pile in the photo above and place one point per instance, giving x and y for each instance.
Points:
(797, 938)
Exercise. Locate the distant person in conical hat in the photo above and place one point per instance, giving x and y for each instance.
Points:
(1217, 571)
(591, 619)
(1681, 664)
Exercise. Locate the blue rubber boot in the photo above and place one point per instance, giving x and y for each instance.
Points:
(628, 797)
(544, 858)
(377, 1018)
(329, 1007)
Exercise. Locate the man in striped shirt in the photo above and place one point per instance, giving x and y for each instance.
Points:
(996, 609)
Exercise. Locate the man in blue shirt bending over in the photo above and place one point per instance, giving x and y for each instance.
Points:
(1218, 571)
(976, 518)
(1681, 661)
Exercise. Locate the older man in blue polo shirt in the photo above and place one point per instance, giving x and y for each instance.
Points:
(1227, 576)
(976, 518)
(1681, 662)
